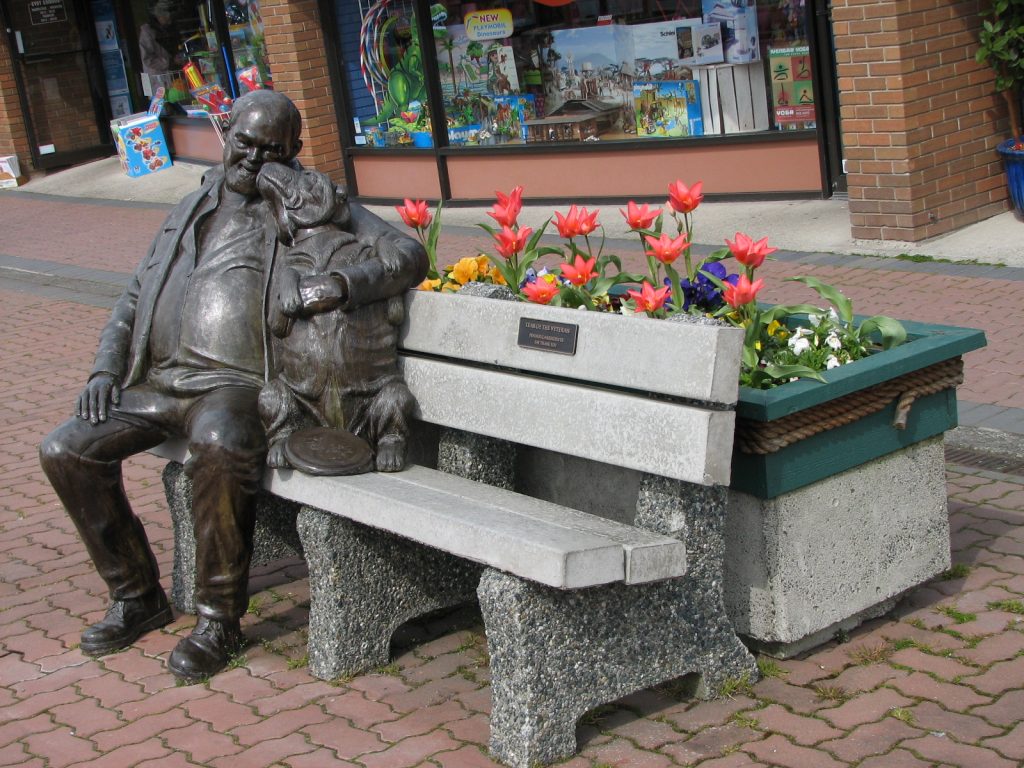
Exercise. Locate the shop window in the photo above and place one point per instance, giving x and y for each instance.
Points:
(578, 71)
(201, 54)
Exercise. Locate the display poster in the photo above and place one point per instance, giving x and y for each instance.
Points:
(110, 55)
(739, 23)
(510, 112)
(667, 108)
(475, 67)
(589, 63)
(792, 86)
(663, 48)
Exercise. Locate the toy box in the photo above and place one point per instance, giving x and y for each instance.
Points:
(666, 108)
(141, 144)
(667, 50)
(510, 112)
(739, 22)
(9, 171)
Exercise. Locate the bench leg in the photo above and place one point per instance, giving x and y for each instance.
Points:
(365, 583)
(479, 458)
(274, 537)
(557, 654)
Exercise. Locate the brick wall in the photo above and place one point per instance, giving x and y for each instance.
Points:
(298, 64)
(920, 118)
(13, 137)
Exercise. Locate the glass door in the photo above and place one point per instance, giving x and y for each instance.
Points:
(61, 80)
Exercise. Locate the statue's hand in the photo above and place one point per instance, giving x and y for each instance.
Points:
(102, 390)
(289, 300)
(389, 252)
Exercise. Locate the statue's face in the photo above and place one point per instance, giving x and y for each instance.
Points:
(258, 135)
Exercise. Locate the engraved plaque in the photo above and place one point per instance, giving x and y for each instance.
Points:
(548, 336)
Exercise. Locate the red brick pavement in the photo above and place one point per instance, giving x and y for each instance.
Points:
(938, 682)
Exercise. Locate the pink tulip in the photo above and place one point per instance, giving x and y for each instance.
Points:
(576, 222)
(414, 214)
(510, 242)
(683, 199)
(666, 249)
(749, 253)
(506, 211)
(580, 272)
(744, 292)
(647, 299)
(639, 216)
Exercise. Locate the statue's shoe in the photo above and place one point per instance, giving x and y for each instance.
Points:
(207, 650)
(125, 621)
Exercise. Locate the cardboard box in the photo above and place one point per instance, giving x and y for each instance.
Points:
(666, 108)
(10, 171)
(141, 144)
(739, 22)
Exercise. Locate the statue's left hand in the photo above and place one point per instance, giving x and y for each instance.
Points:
(94, 402)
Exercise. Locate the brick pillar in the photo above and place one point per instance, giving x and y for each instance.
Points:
(920, 119)
(13, 136)
(298, 64)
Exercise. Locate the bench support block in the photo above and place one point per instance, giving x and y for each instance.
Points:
(556, 654)
(364, 583)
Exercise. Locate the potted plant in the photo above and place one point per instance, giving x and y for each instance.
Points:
(1002, 48)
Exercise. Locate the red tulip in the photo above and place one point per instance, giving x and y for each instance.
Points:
(639, 216)
(414, 214)
(541, 291)
(580, 272)
(511, 242)
(576, 222)
(749, 253)
(743, 292)
(683, 199)
(647, 299)
(508, 207)
(666, 249)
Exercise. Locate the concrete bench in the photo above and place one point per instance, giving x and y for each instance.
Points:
(588, 592)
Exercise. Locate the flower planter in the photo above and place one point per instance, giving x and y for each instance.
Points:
(1013, 162)
(829, 528)
(849, 420)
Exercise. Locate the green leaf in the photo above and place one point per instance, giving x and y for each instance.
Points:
(831, 294)
(488, 229)
(892, 331)
(789, 371)
(535, 238)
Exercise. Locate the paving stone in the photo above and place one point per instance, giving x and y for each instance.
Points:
(86, 717)
(344, 740)
(280, 725)
(14, 755)
(174, 760)
(163, 701)
(898, 758)
(360, 711)
(1004, 711)
(201, 742)
(777, 751)
(1011, 745)
(60, 747)
(266, 753)
(477, 729)
(714, 741)
(940, 666)
(865, 708)
(57, 679)
(220, 712)
(646, 734)
(1001, 676)
(794, 698)
(735, 760)
(864, 678)
(110, 690)
(696, 716)
(411, 751)
(1000, 647)
(437, 692)
(802, 730)
(320, 758)
(965, 728)
(944, 750)
(870, 739)
(294, 696)
(128, 756)
(138, 731)
(466, 757)
(421, 721)
(242, 687)
(958, 698)
(40, 703)
(623, 754)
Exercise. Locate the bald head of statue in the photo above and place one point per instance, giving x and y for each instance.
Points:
(265, 127)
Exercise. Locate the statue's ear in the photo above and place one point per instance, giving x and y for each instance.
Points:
(297, 148)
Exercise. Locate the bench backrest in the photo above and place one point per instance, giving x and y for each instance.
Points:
(651, 395)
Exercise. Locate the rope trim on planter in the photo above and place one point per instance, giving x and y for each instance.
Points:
(762, 437)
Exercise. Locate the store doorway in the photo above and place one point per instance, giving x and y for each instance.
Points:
(60, 80)
(830, 131)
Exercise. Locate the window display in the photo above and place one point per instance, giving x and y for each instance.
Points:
(580, 71)
(202, 54)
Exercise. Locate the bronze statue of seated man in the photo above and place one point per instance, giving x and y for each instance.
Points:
(184, 355)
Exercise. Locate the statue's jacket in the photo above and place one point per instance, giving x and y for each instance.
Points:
(124, 341)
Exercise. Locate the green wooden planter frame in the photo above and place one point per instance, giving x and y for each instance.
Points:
(842, 448)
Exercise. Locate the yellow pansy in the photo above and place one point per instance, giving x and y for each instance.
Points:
(429, 285)
(465, 271)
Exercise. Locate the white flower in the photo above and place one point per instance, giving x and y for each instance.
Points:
(833, 315)
(832, 362)
(815, 320)
(833, 341)
(799, 344)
